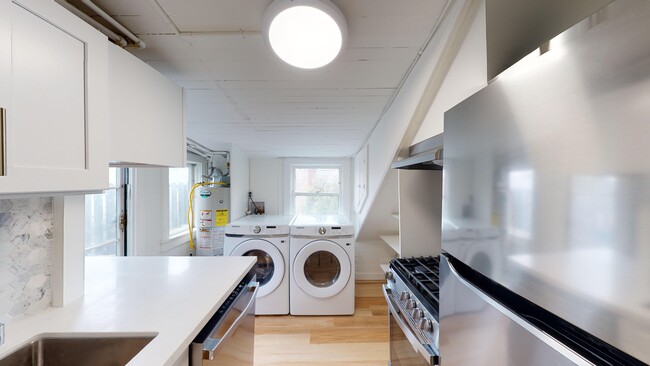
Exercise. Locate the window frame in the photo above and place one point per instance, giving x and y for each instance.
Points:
(172, 240)
(343, 164)
(120, 192)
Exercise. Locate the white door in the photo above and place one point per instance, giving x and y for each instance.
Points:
(322, 268)
(270, 263)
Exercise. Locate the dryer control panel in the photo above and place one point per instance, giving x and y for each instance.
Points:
(257, 230)
(322, 231)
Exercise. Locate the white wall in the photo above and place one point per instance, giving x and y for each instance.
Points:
(145, 219)
(369, 254)
(370, 250)
(266, 183)
(239, 183)
(452, 68)
(467, 75)
(380, 221)
(403, 117)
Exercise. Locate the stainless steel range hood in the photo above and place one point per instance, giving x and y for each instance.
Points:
(425, 155)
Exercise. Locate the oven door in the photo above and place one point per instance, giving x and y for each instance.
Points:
(405, 347)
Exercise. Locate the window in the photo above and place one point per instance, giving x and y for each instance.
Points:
(318, 186)
(180, 183)
(317, 190)
(104, 215)
(520, 204)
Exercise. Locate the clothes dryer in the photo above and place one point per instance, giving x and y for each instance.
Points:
(322, 266)
(267, 238)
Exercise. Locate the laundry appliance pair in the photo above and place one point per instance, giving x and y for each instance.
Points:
(305, 265)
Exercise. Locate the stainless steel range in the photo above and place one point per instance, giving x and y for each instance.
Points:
(412, 294)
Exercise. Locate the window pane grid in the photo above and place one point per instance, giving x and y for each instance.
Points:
(317, 180)
(102, 233)
(316, 190)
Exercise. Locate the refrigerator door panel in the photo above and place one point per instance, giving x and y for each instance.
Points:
(547, 178)
(476, 330)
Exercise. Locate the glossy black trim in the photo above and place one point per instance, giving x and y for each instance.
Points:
(234, 235)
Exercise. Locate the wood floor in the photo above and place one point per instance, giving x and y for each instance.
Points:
(360, 339)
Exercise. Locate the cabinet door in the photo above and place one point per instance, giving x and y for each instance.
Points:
(5, 74)
(48, 92)
(53, 119)
(146, 113)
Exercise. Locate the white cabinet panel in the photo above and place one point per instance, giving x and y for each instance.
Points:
(53, 74)
(48, 110)
(146, 114)
(5, 74)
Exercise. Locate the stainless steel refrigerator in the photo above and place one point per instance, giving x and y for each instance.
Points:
(546, 204)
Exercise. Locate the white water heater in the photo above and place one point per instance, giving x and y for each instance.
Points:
(211, 215)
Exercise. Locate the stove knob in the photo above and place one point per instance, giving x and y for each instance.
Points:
(389, 276)
(257, 229)
(417, 314)
(426, 325)
(404, 296)
(411, 304)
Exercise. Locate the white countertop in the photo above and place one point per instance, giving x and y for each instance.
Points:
(172, 297)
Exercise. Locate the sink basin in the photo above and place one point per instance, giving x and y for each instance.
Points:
(69, 350)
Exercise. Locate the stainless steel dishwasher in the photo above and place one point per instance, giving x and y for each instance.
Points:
(228, 337)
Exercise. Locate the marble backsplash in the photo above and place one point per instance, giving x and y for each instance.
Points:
(25, 256)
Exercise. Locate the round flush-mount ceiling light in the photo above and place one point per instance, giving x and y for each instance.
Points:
(308, 34)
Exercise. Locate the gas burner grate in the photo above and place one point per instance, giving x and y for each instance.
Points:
(422, 276)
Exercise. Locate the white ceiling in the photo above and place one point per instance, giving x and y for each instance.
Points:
(239, 93)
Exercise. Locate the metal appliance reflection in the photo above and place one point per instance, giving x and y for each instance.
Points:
(229, 336)
(550, 159)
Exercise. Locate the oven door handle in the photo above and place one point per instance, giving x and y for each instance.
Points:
(210, 345)
(408, 333)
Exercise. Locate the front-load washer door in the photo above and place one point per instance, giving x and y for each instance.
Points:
(270, 263)
(322, 268)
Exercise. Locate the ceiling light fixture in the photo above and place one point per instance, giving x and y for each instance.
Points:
(305, 33)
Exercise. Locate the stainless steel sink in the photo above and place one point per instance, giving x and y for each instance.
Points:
(68, 350)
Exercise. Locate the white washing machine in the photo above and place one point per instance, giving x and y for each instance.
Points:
(322, 266)
(267, 238)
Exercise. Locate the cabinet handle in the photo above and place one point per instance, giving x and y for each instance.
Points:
(3, 142)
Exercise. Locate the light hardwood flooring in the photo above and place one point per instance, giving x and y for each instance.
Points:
(360, 339)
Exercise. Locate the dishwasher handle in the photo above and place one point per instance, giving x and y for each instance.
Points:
(210, 345)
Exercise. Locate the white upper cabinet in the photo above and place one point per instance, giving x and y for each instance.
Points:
(146, 114)
(53, 70)
(5, 78)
